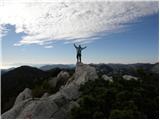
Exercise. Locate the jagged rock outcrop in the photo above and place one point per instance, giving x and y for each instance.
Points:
(57, 105)
(107, 78)
(61, 79)
(129, 77)
(26, 94)
(63, 75)
(45, 95)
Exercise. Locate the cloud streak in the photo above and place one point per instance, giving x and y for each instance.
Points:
(70, 21)
(49, 46)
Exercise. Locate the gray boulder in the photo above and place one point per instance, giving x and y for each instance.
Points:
(61, 79)
(27, 93)
(84, 73)
(37, 109)
(45, 95)
(107, 78)
(63, 75)
(129, 77)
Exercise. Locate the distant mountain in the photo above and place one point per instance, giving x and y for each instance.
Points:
(155, 68)
(14, 81)
(131, 69)
(3, 71)
(49, 67)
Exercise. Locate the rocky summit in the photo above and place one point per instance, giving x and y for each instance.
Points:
(57, 105)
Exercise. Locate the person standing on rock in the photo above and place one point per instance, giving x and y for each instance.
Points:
(79, 50)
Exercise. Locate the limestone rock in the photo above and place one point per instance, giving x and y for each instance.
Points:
(15, 110)
(45, 95)
(70, 79)
(129, 77)
(38, 109)
(61, 79)
(27, 93)
(63, 75)
(84, 73)
(107, 78)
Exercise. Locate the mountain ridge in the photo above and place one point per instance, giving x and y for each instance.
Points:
(20, 77)
(57, 105)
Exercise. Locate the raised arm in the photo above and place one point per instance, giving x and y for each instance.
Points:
(75, 45)
(84, 48)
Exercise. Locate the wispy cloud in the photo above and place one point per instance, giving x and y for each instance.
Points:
(3, 31)
(71, 21)
(49, 46)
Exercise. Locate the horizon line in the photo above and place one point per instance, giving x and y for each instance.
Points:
(41, 64)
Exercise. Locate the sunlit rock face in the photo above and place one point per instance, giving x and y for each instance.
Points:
(61, 78)
(56, 105)
(129, 77)
(26, 94)
(107, 78)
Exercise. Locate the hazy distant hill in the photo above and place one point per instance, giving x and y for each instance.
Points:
(48, 67)
(126, 68)
(3, 71)
(155, 68)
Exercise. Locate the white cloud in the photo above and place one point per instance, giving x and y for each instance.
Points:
(45, 22)
(49, 46)
(3, 31)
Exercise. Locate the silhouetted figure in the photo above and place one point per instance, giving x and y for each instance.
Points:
(79, 49)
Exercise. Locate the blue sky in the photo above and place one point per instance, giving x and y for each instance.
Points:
(136, 43)
(125, 32)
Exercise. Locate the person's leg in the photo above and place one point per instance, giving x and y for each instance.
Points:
(80, 58)
(77, 57)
